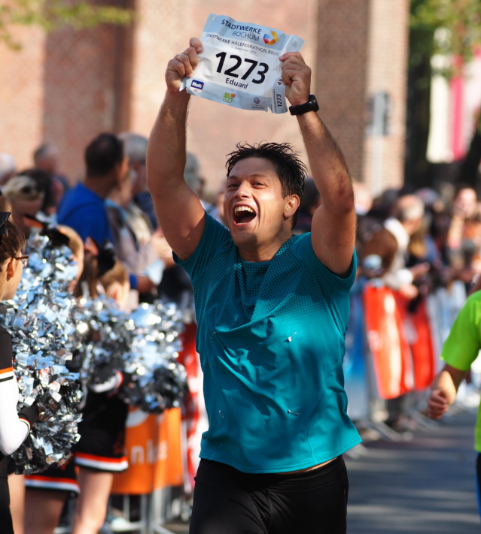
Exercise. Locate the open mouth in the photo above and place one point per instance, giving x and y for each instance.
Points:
(243, 215)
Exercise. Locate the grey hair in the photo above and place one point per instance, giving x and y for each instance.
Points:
(409, 208)
(135, 146)
(42, 151)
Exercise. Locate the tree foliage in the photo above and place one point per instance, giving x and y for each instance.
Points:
(448, 27)
(53, 14)
(451, 28)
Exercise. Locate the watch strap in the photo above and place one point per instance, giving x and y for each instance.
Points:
(310, 105)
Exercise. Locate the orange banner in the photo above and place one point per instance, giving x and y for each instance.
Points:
(390, 351)
(154, 451)
(418, 334)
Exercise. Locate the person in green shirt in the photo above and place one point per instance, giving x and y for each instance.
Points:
(459, 352)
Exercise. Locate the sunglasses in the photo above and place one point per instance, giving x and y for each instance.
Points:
(29, 189)
(23, 259)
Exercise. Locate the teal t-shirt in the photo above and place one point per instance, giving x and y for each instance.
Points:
(271, 343)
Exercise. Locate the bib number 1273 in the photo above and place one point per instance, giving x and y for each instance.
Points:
(231, 71)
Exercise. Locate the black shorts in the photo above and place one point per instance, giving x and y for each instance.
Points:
(102, 431)
(228, 501)
(63, 478)
(101, 446)
(5, 514)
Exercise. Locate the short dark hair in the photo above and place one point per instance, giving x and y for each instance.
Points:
(103, 153)
(11, 243)
(292, 172)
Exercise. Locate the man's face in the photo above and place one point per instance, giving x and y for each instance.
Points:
(120, 173)
(255, 210)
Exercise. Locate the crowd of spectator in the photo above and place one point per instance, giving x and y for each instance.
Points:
(413, 240)
(111, 203)
(421, 238)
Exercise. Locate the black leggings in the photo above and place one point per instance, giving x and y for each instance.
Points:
(227, 501)
(6, 525)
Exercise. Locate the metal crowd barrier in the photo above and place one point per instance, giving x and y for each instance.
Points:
(154, 511)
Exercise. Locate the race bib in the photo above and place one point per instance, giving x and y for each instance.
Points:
(240, 65)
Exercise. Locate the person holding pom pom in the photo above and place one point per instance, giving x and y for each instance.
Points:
(14, 427)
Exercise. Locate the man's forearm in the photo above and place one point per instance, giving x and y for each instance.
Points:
(328, 166)
(166, 152)
(448, 380)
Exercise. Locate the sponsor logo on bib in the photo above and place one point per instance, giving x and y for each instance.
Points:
(197, 86)
(271, 39)
(229, 97)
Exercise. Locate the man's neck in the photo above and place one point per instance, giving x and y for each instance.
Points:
(259, 253)
(102, 186)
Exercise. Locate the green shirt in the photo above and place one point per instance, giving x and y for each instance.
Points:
(464, 343)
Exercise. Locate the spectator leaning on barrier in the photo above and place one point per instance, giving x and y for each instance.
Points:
(391, 243)
(407, 220)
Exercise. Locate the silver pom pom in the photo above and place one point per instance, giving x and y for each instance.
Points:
(157, 380)
(38, 320)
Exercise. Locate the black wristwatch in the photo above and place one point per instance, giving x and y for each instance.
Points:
(310, 105)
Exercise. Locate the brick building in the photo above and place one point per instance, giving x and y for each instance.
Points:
(362, 52)
(68, 86)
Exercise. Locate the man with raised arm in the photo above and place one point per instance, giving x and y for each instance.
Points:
(272, 311)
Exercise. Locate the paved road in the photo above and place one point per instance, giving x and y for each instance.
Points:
(425, 485)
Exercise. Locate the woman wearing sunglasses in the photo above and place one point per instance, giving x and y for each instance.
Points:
(14, 427)
(26, 199)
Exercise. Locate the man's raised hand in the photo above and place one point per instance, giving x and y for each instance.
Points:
(296, 76)
(182, 65)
